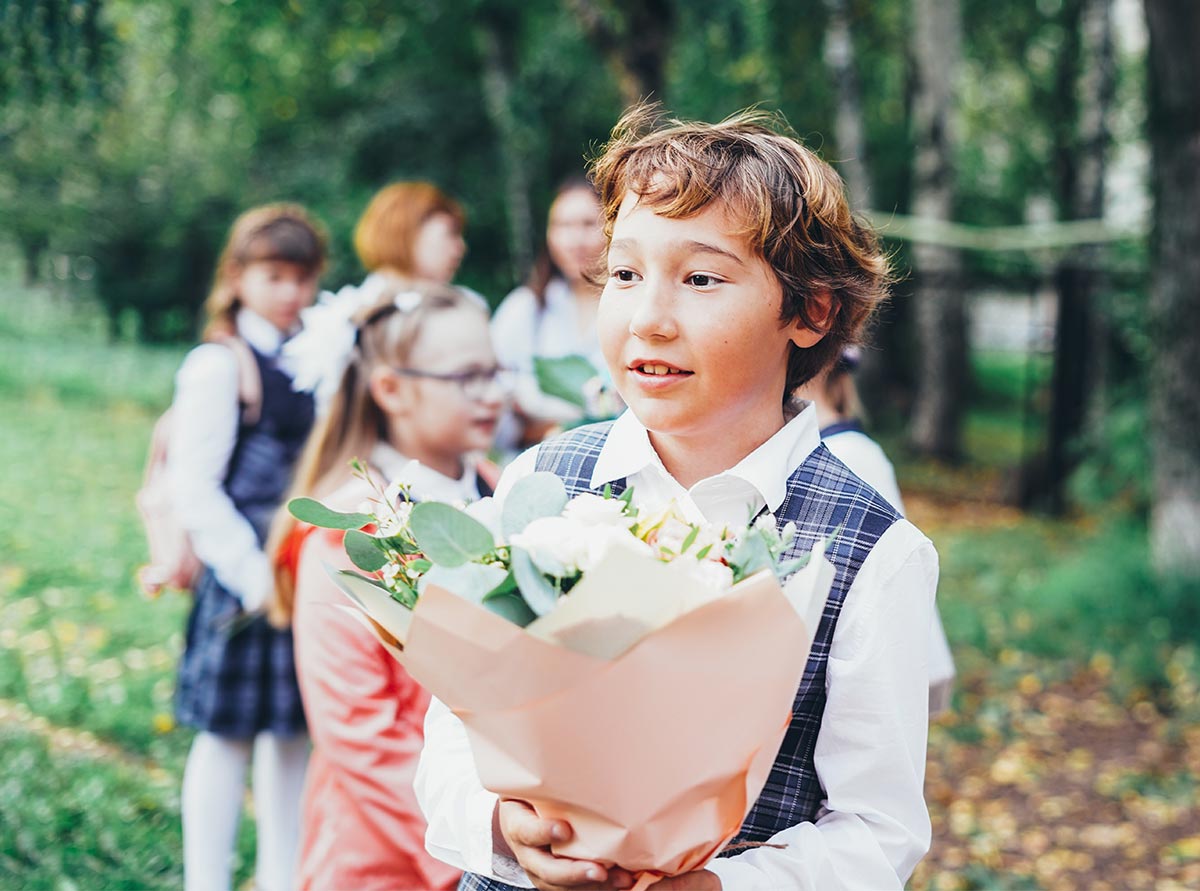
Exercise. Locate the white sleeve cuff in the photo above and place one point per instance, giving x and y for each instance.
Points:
(738, 875)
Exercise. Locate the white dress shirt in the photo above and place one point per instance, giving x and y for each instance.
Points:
(523, 330)
(870, 464)
(870, 752)
(205, 416)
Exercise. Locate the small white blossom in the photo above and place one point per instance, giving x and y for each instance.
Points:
(393, 522)
(391, 572)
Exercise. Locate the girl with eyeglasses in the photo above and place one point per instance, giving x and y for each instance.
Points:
(418, 399)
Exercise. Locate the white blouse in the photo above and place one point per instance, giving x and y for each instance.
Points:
(870, 753)
(205, 415)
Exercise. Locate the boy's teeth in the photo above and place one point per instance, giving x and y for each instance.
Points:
(655, 369)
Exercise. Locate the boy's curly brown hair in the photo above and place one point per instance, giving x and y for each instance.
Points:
(793, 207)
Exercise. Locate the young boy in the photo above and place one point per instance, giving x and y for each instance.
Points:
(736, 272)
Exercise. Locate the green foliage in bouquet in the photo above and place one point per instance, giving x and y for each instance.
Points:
(520, 562)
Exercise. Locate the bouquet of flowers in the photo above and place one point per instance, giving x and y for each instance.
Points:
(606, 661)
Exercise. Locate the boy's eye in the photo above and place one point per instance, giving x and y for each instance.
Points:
(701, 280)
(624, 275)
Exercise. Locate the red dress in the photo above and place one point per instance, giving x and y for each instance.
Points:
(361, 826)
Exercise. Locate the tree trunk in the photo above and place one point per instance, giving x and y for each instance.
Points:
(849, 132)
(841, 61)
(634, 37)
(1174, 27)
(496, 39)
(940, 311)
(1088, 85)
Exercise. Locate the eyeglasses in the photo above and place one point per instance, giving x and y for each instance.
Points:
(476, 384)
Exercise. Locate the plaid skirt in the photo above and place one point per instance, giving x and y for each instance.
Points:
(237, 677)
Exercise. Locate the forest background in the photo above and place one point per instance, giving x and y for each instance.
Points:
(1035, 163)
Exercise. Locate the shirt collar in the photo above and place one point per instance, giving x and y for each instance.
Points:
(426, 483)
(628, 450)
(258, 332)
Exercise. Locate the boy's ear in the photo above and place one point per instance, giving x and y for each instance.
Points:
(822, 311)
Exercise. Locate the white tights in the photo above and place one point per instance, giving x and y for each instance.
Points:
(214, 784)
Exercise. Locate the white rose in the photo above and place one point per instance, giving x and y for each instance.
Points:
(713, 578)
(601, 540)
(595, 510)
(556, 545)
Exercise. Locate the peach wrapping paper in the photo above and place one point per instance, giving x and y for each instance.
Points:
(655, 755)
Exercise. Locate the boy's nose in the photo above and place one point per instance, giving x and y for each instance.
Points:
(654, 312)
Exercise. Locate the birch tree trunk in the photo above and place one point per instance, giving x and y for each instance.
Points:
(849, 131)
(939, 304)
(1174, 27)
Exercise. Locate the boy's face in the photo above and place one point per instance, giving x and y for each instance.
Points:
(692, 298)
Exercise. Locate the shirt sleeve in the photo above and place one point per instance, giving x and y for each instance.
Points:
(457, 807)
(364, 711)
(874, 826)
(204, 427)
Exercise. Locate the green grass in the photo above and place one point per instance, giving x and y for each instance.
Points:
(79, 645)
(72, 821)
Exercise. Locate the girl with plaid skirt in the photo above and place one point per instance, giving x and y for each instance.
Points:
(229, 468)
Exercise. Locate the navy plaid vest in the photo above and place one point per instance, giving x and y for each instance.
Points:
(823, 495)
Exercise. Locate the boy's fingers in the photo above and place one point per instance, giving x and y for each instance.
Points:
(562, 871)
(522, 825)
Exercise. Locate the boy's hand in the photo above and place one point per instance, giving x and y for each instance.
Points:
(529, 838)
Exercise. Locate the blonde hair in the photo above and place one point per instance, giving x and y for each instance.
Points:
(792, 206)
(354, 423)
(387, 230)
(279, 232)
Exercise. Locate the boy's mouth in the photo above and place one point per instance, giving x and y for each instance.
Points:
(656, 368)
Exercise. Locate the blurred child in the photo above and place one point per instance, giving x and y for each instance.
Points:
(228, 473)
(410, 231)
(554, 313)
(736, 272)
(838, 411)
(420, 385)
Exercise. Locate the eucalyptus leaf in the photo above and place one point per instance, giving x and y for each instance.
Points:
(447, 536)
(510, 606)
(538, 495)
(539, 594)
(471, 581)
(508, 586)
(564, 377)
(751, 555)
(364, 551)
(313, 512)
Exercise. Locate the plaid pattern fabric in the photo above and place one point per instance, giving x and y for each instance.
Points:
(823, 496)
(237, 676)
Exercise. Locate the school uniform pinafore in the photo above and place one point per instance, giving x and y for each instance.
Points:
(237, 677)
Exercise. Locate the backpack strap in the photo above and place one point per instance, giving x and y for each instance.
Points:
(249, 379)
